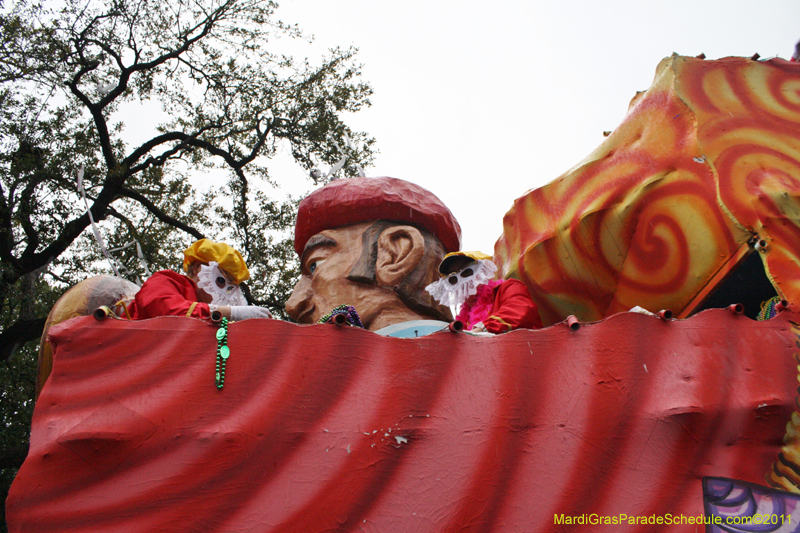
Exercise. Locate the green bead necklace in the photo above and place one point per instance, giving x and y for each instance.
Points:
(223, 352)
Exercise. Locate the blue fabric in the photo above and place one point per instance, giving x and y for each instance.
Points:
(412, 329)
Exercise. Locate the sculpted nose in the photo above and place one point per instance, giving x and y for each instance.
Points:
(300, 300)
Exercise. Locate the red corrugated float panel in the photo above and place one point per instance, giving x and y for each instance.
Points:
(328, 428)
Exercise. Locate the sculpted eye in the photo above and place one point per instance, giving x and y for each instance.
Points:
(312, 267)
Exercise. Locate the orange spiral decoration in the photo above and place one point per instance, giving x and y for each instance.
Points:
(707, 158)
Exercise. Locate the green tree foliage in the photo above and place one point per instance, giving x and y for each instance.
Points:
(69, 71)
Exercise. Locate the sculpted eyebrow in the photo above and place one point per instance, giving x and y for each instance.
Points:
(316, 241)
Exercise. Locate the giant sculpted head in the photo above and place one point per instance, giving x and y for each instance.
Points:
(374, 244)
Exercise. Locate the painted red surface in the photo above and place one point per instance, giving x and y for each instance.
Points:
(350, 201)
(327, 428)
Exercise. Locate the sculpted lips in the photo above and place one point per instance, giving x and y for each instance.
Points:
(305, 316)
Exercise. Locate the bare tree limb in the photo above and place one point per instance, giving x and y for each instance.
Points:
(14, 336)
(159, 214)
(13, 457)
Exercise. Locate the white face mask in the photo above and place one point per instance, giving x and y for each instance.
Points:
(212, 279)
(453, 289)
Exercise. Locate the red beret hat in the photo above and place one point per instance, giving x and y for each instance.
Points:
(351, 201)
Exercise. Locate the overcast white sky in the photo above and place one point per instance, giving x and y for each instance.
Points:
(479, 102)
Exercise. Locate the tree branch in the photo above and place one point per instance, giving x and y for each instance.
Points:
(156, 141)
(13, 457)
(159, 214)
(125, 74)
(6, 232)
(274, 304)
(96, 111)
(18, 334)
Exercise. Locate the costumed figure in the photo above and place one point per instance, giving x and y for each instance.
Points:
(486, 304)
(214, 272)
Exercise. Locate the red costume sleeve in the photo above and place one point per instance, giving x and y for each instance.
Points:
(167, 293)
(513, 308)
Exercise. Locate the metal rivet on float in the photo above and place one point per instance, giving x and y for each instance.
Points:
(573, 323)
(102, 312)
(456, 326)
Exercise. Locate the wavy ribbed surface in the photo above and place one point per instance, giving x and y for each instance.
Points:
(663, 209)
(326, 428)
(82, 300)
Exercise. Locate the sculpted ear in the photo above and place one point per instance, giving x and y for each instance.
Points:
(400, 249)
